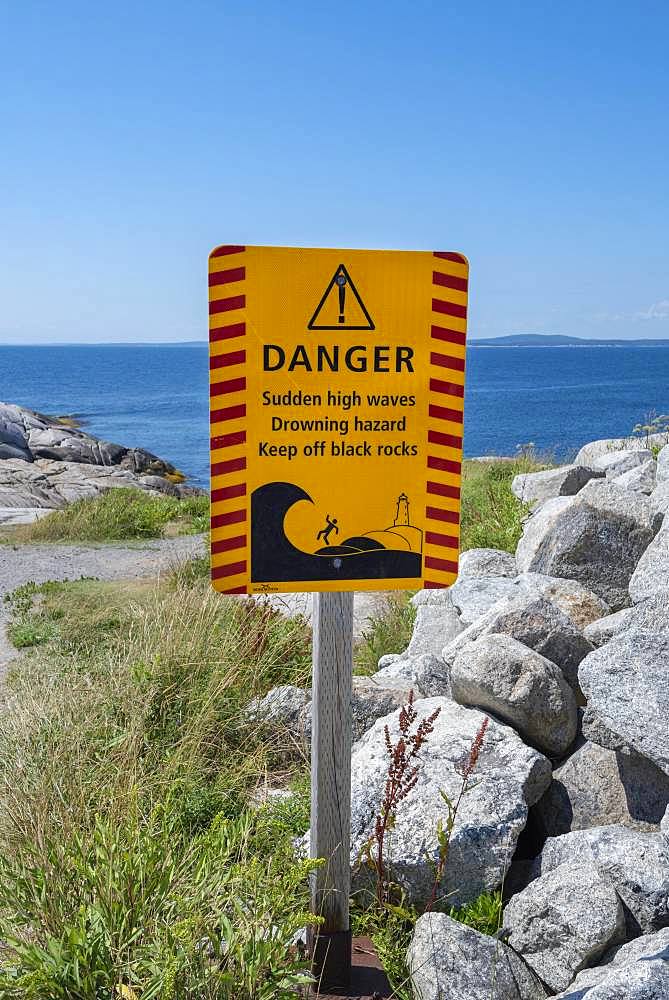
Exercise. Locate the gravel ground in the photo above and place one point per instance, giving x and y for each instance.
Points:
(21, 564)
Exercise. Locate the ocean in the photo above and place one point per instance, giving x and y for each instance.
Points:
(156, 397)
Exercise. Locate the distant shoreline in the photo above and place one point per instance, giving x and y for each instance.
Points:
(521, 340)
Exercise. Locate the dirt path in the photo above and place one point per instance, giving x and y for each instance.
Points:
(21, 564)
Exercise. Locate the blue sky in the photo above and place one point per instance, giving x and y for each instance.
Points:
(534, 137)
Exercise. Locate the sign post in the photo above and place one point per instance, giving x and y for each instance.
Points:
(331, 786)
(337, 389)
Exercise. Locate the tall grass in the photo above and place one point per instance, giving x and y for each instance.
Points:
(116, 515)
(387, 631)
(126, 759)
(492, 517)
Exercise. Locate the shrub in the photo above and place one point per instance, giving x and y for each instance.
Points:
(116, 515)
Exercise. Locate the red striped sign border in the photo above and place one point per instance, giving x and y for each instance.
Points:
(229, 515)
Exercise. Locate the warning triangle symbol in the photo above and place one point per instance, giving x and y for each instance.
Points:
(341, 307)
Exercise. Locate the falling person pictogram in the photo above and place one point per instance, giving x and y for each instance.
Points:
(330, 526)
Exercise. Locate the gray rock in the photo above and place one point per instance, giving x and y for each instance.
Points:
(435, 626)
(538, 624)
(508, 779)
(571, 597)
(601, 631)
(626, 683)
(426, 675)
(664, 824)
(634, 862)
(563, 921)
(283, 706)
(663, 465)
(638, 970)
(640, 479)
(659, 499)
(565, 481)
(616, 463)
(388, 659)
(372, 702)
(450, 961)
(485, 562)
(432, 596)
(473, 597)
(596, 537)
(501, 675)
(599, 787)
(652, 571)
(595, 449)
(290, 708)
(536, 526)
(651, 615)
(23, 515)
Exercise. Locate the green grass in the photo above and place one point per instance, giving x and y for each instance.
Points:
(492, 517)
(117, 515)
(484, 914)
(127, 765)
(388, 631)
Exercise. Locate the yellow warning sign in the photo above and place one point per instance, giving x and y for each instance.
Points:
(337, 393)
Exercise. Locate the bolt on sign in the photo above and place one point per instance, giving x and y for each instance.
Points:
(337, 390)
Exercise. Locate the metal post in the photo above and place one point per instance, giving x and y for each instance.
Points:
(331, 787)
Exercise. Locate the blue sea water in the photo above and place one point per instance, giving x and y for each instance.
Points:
(156, 397)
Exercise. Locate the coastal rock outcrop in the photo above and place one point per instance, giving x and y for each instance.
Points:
(537, 623)
(600, 787)
(485, 562)
(634, 862)
(638, 970)
(589, 605)
(564, 481)
(45, 464)
(472, 597)
(626, 684)
(652, 570)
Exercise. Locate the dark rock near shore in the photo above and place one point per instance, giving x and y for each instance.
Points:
(46, 463)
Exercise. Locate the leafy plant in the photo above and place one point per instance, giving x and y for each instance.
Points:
(402, 776)
(445, 830)
(137, 905)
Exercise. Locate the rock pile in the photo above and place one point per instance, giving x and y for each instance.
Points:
(46, 464)
(566, 649)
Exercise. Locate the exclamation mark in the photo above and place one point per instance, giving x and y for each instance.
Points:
(341, 282)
